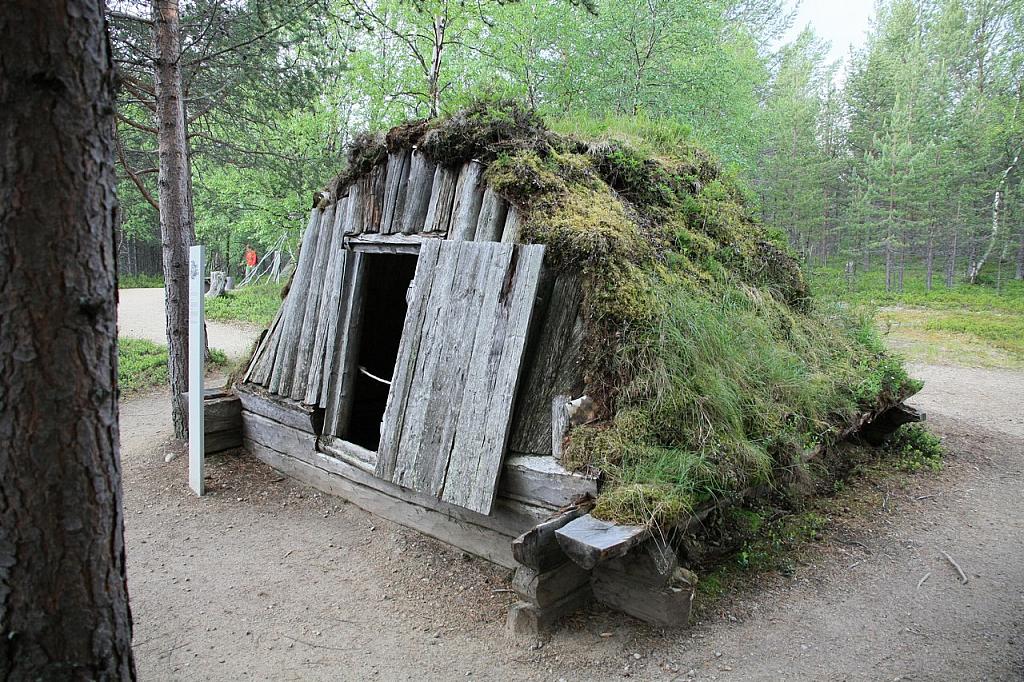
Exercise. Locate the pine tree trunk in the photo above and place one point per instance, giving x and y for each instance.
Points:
(1019, 274)
(900, 271)
(64, 611)
(177, 222)
(888, 263)
(929, 263)
(951, 265)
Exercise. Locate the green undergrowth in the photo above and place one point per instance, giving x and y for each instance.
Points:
(727, 389)
(1003, 332)
(713, 366)
(256, 304)
(914, 448)
(868, 288)
(140, 282)
(779, 533)
(142, 365)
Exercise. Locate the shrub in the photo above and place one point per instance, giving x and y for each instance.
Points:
(916, 448)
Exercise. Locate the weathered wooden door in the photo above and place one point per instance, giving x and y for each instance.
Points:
(450, 405)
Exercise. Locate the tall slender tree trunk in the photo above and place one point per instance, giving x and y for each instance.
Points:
(902, 266)
(993, 237)
(440, 26)
(929, 259)
(951, 265)
(64, 611)
(177, 221)
(1019, 274)
(888, 263)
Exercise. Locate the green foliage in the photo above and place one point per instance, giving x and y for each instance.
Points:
(882, 375)
(1006, 333)
(869, 289)
(140, 365)
(727, 388)
(916, 448)
(256, 304)
(140, 282)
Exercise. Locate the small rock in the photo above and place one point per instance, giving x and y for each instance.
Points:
(636, 656)
(170, 457)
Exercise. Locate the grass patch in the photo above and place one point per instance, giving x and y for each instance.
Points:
(869, 289)
(710, 411)
(1006, 333)
(256, 304)
(970, 325)
(140, 282)
(142, 365)
(972, 338)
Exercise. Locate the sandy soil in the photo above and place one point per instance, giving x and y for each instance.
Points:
(266, 579)
(140, 315)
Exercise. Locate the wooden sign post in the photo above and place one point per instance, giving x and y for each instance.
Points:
(196, 330)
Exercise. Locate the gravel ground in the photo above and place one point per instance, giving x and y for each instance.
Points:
(140, 315)
(267, 579)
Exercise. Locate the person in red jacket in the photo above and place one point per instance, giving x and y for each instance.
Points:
(250, 259)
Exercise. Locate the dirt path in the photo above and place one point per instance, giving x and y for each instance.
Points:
(140, 315)
(265, 579)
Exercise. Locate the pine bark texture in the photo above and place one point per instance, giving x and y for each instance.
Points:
(64, 611)
(177, 221)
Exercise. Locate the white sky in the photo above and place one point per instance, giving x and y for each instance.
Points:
(840, 22)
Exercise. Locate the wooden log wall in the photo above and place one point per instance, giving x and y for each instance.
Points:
(282, 433)
(392, 209)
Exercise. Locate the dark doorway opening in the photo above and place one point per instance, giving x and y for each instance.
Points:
(387, 279)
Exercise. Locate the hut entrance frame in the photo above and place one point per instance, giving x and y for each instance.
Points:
(423, 343)
(382, 309)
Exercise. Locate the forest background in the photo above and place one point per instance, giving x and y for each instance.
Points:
(896, 170)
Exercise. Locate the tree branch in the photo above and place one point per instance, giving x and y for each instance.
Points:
(144, 94)
(124, 16)
(136, 180)
(249, 41)
(135, 124)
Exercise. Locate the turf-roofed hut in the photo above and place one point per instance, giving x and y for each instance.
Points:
(556, 353)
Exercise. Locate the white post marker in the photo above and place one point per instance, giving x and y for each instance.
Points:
(196, 330)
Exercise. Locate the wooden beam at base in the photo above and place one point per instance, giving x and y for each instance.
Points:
(483, 542)
(542, 479)
(589, 541)
(538, 548)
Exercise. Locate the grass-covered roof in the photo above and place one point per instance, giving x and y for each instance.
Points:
(714, 366)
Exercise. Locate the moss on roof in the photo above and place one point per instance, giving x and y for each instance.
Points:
(714, 366)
